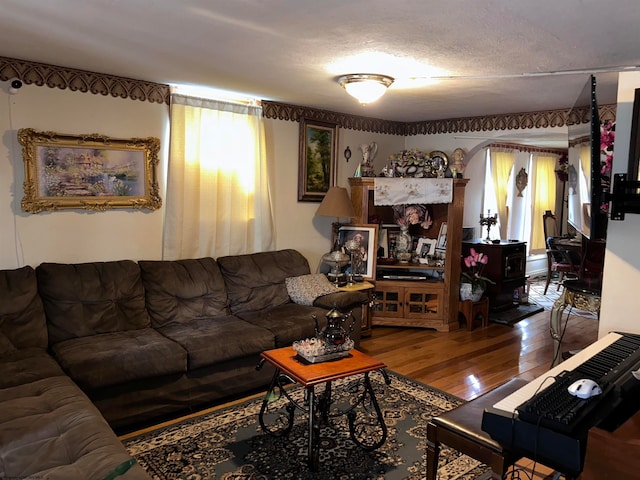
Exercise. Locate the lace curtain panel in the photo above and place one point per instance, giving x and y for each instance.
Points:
(218, 201)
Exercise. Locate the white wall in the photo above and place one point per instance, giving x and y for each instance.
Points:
(619, 310)
(73, 236)
(296, 224)
(82, 236)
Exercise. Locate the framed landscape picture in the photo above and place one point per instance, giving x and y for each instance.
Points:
(317, 167)
(91, 172)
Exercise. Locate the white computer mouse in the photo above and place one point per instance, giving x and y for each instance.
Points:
(584, 388)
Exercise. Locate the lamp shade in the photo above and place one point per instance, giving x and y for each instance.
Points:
(336, 203)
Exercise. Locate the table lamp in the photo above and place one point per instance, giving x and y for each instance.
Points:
(336, 203)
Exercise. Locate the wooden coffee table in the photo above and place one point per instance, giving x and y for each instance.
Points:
(290, 368)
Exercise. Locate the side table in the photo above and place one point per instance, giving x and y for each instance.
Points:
(470, 310)
(366, 307)
(582, 294)
(368, 433)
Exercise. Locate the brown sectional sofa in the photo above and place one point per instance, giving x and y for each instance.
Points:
(85, 348)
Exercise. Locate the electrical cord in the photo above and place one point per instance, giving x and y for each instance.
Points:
(515, 473)
(564, 329)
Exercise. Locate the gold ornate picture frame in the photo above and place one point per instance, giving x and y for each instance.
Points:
(91, 172)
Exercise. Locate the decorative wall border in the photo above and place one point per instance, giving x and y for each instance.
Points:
(101, 84)
(81, 80)
(508, 121)
(284, 111)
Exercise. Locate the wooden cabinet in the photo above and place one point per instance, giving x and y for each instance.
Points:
(418, 304)
(428, 303)
(506, 267)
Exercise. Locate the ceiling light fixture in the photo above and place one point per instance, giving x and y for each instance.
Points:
(366, 88)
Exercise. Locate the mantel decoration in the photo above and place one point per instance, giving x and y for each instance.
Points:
(91, 172)
(369, 152)
(416, 163)
(472, 283)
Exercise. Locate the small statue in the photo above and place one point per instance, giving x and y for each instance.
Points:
(458, 161)
(369, 152)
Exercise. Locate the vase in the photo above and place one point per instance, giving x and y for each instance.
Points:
(404, 244)
(471, 292)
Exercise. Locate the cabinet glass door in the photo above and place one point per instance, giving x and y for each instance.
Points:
(421, 303)
(388, 302)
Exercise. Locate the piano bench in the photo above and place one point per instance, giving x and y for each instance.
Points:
(461, 430)
(471, 310)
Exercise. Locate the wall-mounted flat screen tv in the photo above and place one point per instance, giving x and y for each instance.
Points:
(585, 196)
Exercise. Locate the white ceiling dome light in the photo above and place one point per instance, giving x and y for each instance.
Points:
(365, 87)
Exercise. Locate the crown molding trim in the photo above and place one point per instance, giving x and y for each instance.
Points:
(121, 87)
(81, 80)
(284, 111)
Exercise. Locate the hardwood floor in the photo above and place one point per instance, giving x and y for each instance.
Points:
(468, 364)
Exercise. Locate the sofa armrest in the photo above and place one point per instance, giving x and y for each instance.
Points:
(343, 301)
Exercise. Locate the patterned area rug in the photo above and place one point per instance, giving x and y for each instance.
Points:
(229, 443)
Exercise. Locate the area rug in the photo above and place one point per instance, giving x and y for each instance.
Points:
(229, 443)
(514, 315)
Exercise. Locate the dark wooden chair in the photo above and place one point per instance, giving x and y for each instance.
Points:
(561, 261)
(461, 429)
(550, 225)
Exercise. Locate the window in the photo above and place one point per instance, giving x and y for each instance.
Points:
(520, 204)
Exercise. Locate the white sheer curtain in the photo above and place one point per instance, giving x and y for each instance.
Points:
(218, 201)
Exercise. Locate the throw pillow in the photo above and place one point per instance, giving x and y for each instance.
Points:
(304, 289)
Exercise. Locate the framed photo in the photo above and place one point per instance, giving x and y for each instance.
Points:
(317, 167)
(383, 243)
(468, 234)
(442, 238)
(365, 240)
(91, 172)
(426, 246)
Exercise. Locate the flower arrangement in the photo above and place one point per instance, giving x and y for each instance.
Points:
(407, 215)
(475, 262)
(410, 163)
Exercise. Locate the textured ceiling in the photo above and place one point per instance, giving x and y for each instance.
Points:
(291, 51)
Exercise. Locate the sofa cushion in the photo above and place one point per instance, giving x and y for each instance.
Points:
(27, 365)
(22, 320)
(289, 322)
(182, 290)
(209, 341)
(118, 357)
(86, 299)
(50, 429)
(304, 289)
(257, 281)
